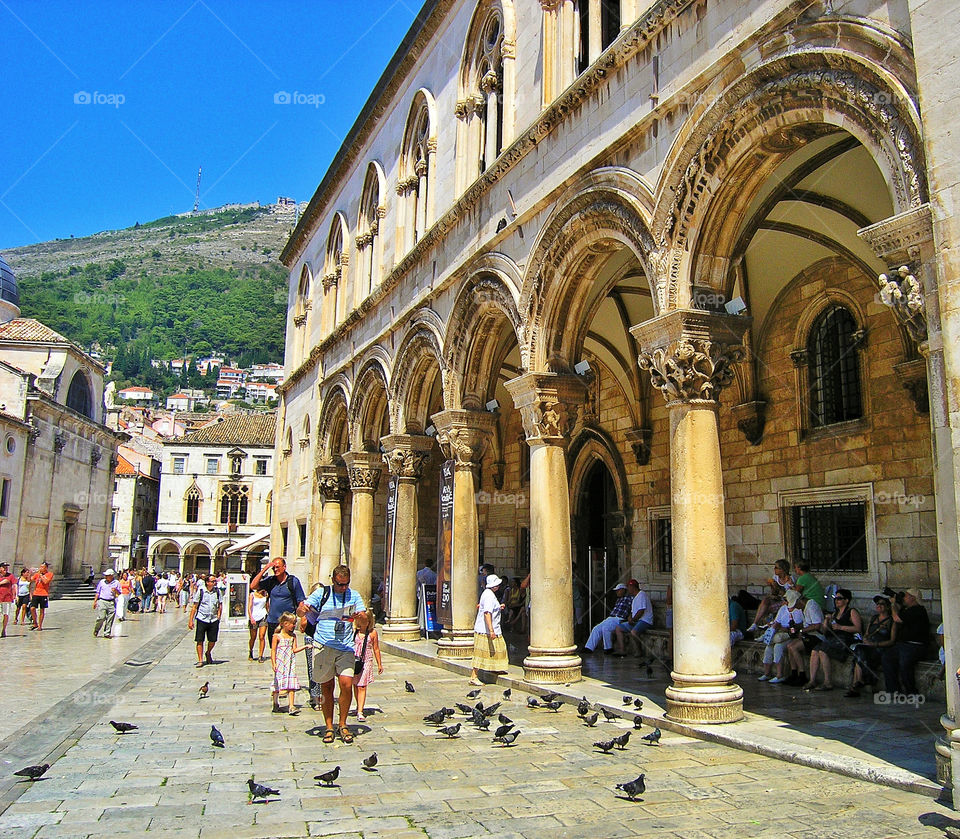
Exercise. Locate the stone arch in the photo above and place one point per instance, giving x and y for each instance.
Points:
(165, 547)
(333, 427)
(593, 444)
(605, 210)
(484, 310)
(417, 180)
(80, 395)
(418, 362)
(757, 121)
(335, 261)
(370, 402)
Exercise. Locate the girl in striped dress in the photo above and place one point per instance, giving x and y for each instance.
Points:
(283, 656)
(366, 644)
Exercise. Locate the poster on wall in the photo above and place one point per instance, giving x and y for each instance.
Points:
(235, 609)
(445, 547)
(391, 529)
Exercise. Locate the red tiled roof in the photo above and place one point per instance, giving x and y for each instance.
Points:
(28, 329)
(124, 466)
(237, 430)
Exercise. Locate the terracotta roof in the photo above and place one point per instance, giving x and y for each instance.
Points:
(178, 396)
(28, 329)
(124, 466)
(238, 430)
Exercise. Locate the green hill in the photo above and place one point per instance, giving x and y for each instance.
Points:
(197, 283)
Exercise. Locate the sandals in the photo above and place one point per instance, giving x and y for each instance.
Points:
(294, 713)
(345, 734)
(328, 736)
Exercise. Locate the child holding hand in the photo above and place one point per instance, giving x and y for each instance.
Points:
(367, 647)
(282, 657)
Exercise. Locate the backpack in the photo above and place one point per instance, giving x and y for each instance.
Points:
(305, 626)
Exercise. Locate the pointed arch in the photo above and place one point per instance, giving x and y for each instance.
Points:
(335, 261)
(370, 408)
(418, 367)
(333, 427)
(418, 161)
(591, 445)
(80, 395)
(369, 240)
(193, 504)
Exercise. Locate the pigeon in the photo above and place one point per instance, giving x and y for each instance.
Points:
(627, 699)
(328, 778)
(410, 688)
(491, 710)
(638, 722)
(216, 737)
(507, 693)
(638, 703)
(503, 719)
(451, 730)
(465, 709)
(477, 717)
(533, 702)
(605, 745)
(549, 697)
(123, 727)
(509, 738)
(473, 694)
(503, 729)
(448, 712)
(370, 762)
(653, 738)
(610, 715)
(634, 788)
(484, 724)
(583, 707)
(260, 791)
(436, 717)
(554, 705)
(591, 721)
(204, 690)
(33, 772)
(621, 741)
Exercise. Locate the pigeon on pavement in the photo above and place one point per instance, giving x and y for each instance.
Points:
(484, 724)
(605, 745)
(634, 788)
(503, 729)
(491, 710)
(507, 693)
(533, 702)
(610, 715)
(591, 721)
(473, 694)
(216, 737)
(448, 712)
(370, 762)
(410, 688)
(328, 778)
(477, 717)
(638, 722)
(503, 719)
(260, 791)
(204, 690)
(509, 738)
(627, 699)
(32, 773)
(451, 730)
(123, 727)
(583, 707)
(653, 738)
(638, 703)
(554, 705)
(549, 697)
(621, 741)
(465, 709)
(436, 717)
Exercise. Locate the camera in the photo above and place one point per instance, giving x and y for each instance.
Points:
(896, 595)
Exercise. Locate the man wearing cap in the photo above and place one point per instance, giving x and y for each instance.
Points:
(640, 620)
(105, 603)
(605, 629)
(8, 591)
(913, 635)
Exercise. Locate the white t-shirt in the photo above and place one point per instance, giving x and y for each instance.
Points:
(259, 610)
(812, 614)
(488, 603)
(786, 614)
(162, 586)
(642, 604)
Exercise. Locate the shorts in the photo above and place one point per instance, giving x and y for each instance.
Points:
(810, 641)
(330, 662)
(6, 608)
(209, 631)
(23, 600)
(37, 602)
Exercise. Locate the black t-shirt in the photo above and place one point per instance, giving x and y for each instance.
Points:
(147, 582)
(914, 625)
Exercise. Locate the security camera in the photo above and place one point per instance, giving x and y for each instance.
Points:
(430, 430)
(735, 306)
(581, 368)
(493, 405)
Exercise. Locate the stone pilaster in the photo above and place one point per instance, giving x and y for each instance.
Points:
(332, 485)
(405, 456)
(689, 355)
(463, 437)
(363, 471)
(548, 406)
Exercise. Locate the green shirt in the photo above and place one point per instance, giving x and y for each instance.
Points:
(811, 589)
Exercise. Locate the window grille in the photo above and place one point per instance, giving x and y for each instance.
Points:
(834, 369)
(831, 537)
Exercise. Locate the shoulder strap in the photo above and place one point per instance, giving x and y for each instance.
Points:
(363, 652)
(293, 597)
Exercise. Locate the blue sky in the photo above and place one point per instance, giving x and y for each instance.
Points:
(108, 108)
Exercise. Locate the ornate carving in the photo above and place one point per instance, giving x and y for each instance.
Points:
(95, 455)
(330, 280)
(900, 237)
(641, 440)
(751, 418)
(464, 435)
(33, 433)
(406, 464)
(364, 478)
(332, 487)
(902, 292)
(59, 441)
(800, 357)
(548, 405)
(300, 320)
(691, 370)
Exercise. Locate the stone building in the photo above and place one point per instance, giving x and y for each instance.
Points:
(136, 501)
(215, 491)
(57, 457)
(673, 287)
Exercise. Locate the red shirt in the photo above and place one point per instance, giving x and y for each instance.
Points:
(41, 583)
(8, 588)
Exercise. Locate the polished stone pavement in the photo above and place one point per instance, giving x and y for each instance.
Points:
(166, 778)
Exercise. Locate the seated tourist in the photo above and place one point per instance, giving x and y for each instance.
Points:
(786, 626)
(913, 635)
(738, 620)
(605, 629)
(780, 583)
(881, 633)
(840, 630)
(811, 635)
(640, 620)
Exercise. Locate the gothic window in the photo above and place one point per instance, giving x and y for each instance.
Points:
(368, 232)
(234, 500)
(415, 186)
(285, 456)
(834, 368)
(301, 312)
(193, 498)
(598, 25)
(79, 395)
(333, 263)
(305, 449)
(269, 504)
(831, 537)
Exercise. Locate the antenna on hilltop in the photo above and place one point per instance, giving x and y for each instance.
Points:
(196, 202)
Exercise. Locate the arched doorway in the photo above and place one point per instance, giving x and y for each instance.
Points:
(596, 563)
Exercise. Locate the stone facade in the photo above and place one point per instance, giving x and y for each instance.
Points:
(685, 255)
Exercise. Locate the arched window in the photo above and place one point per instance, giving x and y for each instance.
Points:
(234, 500)
(334, 264)
(834, 368)
(486, 80)
(194, 498)
(79, 395)
(598, 25)
(368, 232)
(269, 504)
(415, 186)
(305, 449)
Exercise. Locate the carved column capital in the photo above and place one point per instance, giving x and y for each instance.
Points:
(406, 454)
(364, 470)
(690, 353)
(332, 482)
(548, 404)
(464, 435)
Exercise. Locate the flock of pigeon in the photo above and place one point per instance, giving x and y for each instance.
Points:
(505, 735)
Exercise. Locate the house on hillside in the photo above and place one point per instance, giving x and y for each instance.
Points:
(136, 394)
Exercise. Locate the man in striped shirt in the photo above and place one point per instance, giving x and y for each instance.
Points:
(605, 629)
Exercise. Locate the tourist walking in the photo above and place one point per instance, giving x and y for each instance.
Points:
(125, 590)
(105, 603)
(148, 584)
(8, 595)
(206, 609)
(41, 595)
(162, 589)
(283, 657)
(366, 645)
(23, 597)
(286, 593)
(489, 648)
(257, 616)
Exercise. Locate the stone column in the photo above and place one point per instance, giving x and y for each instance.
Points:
(363, 469)
(551, 16)
(463, 437)
(405, 456)
(689, 355)
(332, 484)
(548, 403)
(906, 243)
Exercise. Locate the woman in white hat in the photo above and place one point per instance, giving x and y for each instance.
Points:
(489, 648)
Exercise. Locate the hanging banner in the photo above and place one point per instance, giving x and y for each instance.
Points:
(445, 547)
(391, 528)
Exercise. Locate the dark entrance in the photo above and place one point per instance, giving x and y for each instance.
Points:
(596, 568)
